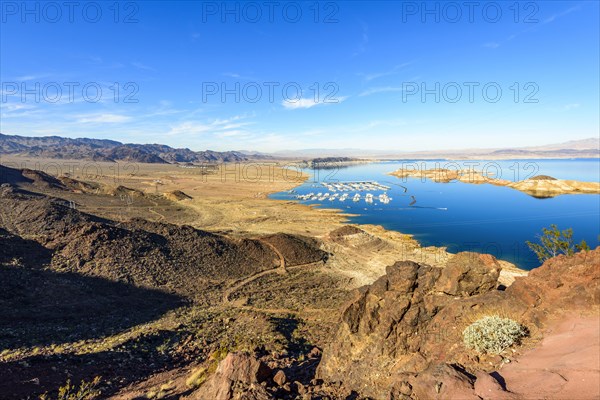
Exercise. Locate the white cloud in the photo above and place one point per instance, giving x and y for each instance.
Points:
(235, 75)
(309, 103)
(27, 78)
(144, 67)
(383, 89)
(393, 71)
(15, 107)
(553, 18)
(102, 118)
(218, 125)
(571, 106)
(188, 127)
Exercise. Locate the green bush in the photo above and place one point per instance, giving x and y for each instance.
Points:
(493, 334)
(554, 242)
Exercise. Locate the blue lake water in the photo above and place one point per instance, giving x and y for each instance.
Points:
(468, 217)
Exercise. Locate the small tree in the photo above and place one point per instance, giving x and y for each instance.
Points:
(555, 242)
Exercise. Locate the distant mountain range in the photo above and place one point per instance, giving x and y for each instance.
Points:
(110, 150)
(585, 148)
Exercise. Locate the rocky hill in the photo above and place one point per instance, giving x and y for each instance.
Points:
(401, 338)
(176, 258)
(110, 150)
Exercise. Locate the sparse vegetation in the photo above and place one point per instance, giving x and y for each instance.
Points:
(197, 377)
(85, 391)
(493, 334)
(554, 242)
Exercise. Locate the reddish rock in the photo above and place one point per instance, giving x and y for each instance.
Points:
(488, 387)
(564, 365)
(443, 382)
(390, 327)
(280, 378)
(467, 274)
(239, 374)
(314, 353)
(405, 330)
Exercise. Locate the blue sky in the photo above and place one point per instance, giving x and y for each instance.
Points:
(354, 73)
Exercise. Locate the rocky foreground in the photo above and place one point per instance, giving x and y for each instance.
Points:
(541, 186)
(401, 338)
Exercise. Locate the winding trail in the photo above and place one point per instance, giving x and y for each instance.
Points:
(162, 217)
(282, 270)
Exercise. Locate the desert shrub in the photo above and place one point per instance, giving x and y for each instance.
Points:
(197, 378)
(85, 391)
(493, 334)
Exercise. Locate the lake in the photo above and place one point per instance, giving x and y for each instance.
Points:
(467, 217)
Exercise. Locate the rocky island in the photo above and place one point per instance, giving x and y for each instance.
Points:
(540, 186)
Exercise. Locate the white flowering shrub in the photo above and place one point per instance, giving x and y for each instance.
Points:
(493, 334)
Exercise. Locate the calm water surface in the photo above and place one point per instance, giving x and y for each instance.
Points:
(462, 216)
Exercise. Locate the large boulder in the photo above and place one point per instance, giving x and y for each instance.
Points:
(238, 376)
(386, 331)
(467, 274)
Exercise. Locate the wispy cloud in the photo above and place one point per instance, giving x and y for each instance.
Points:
(27, 78)
(143, 67)
(571, 106)
(102, 118)
(383, 89)
(215, 126)
(235, 75)
(33, 77)
(15, 107)
(550, 19)
(364, 40)
(19, 111)
(393, 71)
(554, 17)
(309, 102)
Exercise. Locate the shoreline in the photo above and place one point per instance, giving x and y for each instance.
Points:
(509, 270)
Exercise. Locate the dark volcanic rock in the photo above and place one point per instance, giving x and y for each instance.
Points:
(296, 249)
(134, 153)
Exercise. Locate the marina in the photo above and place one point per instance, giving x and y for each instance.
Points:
(340, 191)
